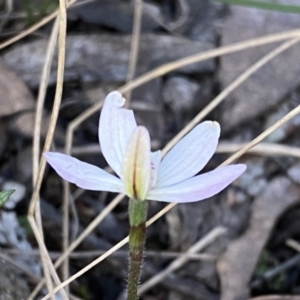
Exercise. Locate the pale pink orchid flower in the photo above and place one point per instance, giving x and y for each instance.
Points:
(142, 174)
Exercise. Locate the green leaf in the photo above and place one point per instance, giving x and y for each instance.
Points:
(264, 5)
(4, 196)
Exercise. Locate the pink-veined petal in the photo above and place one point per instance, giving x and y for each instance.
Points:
(136, 173)
(199, 187)
(82, 174)
(189, 155)
(116, 125)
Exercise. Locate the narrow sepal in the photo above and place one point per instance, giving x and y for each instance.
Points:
(199, 187)
(82, 174)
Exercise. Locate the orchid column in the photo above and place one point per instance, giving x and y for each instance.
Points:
(142, 174)
(137, 178)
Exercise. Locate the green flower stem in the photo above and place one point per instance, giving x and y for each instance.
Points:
(137, 218)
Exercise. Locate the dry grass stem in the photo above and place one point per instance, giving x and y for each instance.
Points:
(46, 257)
(134, 47)
(88, 267)
(167, 68)
(263, 135)
(265, 149)
(36, 135)
(34, 213)
(84, 234)
(41, 99)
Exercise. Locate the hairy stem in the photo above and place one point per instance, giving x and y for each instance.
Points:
(137, 217)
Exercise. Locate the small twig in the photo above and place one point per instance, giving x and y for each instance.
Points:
(78, 255)
(277, 270)
(293, 244)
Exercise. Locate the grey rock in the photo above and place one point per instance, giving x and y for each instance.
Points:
(254, 180)
(266, 87)
(14, 95)
(175, 296)
(174, 228)
(294, 173)
(189, 288)
(204, 22)
(109, 228)
(179, 93)
(229, 209)
(13, 235)
(12, 284)
(17, 103)
(148, 109)
(95, 92)
(184, 96)
(105, 57)
(23, 165)
(52, 220)
(118, 16)
(16, 100)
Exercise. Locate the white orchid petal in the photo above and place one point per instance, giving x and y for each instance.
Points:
(116, 125)
(199, 187)
(82, 174)
(137, 165)
(189, 155)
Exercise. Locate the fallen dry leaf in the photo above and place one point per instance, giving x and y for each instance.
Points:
(14, 95)
(17, 101)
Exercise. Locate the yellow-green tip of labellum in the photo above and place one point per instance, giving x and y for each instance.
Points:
(136, 172)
